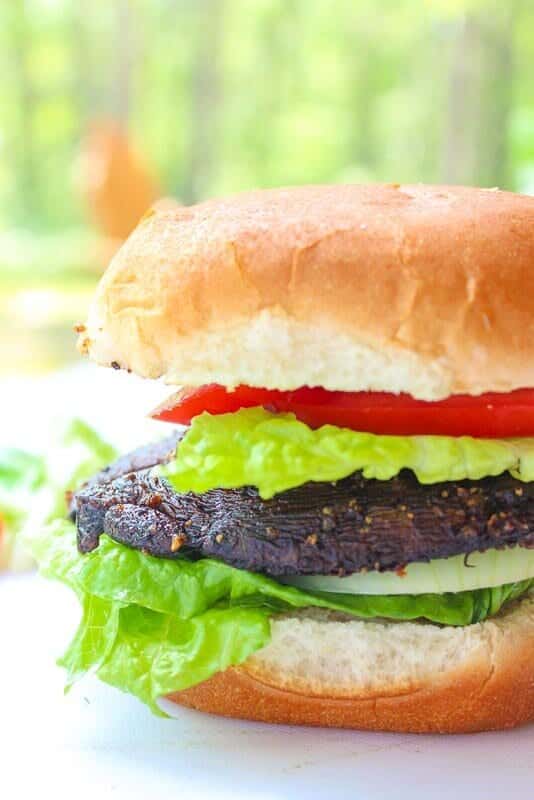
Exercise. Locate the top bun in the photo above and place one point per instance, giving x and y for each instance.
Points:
(419, 289)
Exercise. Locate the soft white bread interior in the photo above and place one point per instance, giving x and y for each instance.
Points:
(323, 669)
(421, 289)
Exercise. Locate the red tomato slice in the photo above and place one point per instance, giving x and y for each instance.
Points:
(491, 415)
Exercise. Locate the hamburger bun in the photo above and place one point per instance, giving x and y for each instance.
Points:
(325, 670)
(418, 289)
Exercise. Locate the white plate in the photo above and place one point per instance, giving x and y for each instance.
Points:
(98, 743)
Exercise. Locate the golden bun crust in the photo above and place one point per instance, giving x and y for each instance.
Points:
(423, 289)
(485, 681)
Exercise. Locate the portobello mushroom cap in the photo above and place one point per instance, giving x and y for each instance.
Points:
(319, 528)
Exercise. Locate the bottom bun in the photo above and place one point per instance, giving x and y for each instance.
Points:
(329, 670)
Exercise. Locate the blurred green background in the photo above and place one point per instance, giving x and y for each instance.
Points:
(105, 105)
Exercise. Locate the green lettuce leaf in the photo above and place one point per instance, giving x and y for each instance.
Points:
(157, 654)
(23, 479)
(153, 626)
(32, 487)
(187, 589)
(18, 468)
(276, 452)
(94, 639)
(21, 474)
(82, 453)
(93, 454)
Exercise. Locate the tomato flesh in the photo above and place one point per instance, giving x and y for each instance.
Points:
(491, 415)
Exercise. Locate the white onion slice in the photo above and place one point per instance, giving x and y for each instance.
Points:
(456, 574)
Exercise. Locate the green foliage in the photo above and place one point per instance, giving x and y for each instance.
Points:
(225, 95)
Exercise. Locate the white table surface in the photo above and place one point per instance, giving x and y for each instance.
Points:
(36, 410)
(98, 743)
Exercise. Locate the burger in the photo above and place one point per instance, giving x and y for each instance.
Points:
(338, 529)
